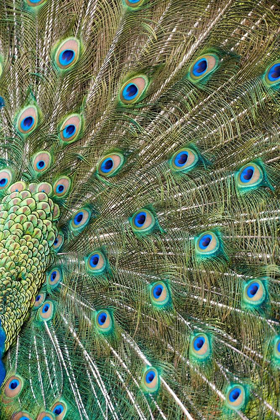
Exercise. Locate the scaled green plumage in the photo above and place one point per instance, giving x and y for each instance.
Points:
(139, 214)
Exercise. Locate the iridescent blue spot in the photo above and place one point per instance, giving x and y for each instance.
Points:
(198, 343)
(59, 189)
(38, 298)
(27, 123)
(2, 102)
(252, 289)
(200, 67)
(140, 219)
(205, 241)
(46, 418)
(150, 376)
(247, 174)
(94, 260)
(14, 384)
(274, 73)
(107, 165)
(58, 410)
(78, 218)
(278, 346)
(46, 308)
(53, 275)
(102, 318)
(69, 131)
(66, 57)
(130, 91)
(157, 291)
(41, 164)
(55, 242)
(3, 182)
(234, 394)
(181, 159)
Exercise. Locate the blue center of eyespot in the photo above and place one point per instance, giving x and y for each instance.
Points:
(252, 289)
(200, 67)
(14, 384)
(247, 174)
(46, 418)
(60, 188)
(140, 219)
(150, 376)
(38, 298)
(58, 410)
(94, 260)
(107, 165)
(46, 308)
(198, 343)
(66, 57)
(69, 131)
(3, 182)
(157, 291)
(53, 275)
(102, 318)
(24, 418)
(55, 242)
(2, 102)
(27, 123)
(35, 1)
(181, 159)
(130, 91)
(274, 73)
(234, 394)
(41, 164)
(78, 218)
(133, 1)
(205, 241)
(278, 346)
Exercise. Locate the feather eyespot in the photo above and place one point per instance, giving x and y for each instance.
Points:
(134, 89)
(5, 179)
(104, 321)
(250, 176)
(13, 386)
(200, 347)
(203, 66)
(184, 160)
(58, 242)
(110, 165)
(150, 380)
(17, 187)
(44, 187)
(272, 74)
(207, 244)
(254, 292)
(160, 294)
(236, 397)
(59, 409)
(34, 3)
(22, 415)
(143, 221)
(96, 263)
(133, 3)
(67, 54)
(62, 187)
(70, 128)
(41, 162)
(27, 120)
(80, 220)
(46, 311)
(276, 348)
(54, 277)
(39, 300)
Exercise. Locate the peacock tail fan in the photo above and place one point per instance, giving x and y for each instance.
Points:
(139, 209)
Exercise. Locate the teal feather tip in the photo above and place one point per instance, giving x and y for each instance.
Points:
(150, 382)
(200, 349)
(252, 176)
(96, 262)
(209, 244)
(255, 293)
(237, 397)
(160, 295)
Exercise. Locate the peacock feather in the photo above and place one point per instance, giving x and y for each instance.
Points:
(139, 209)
